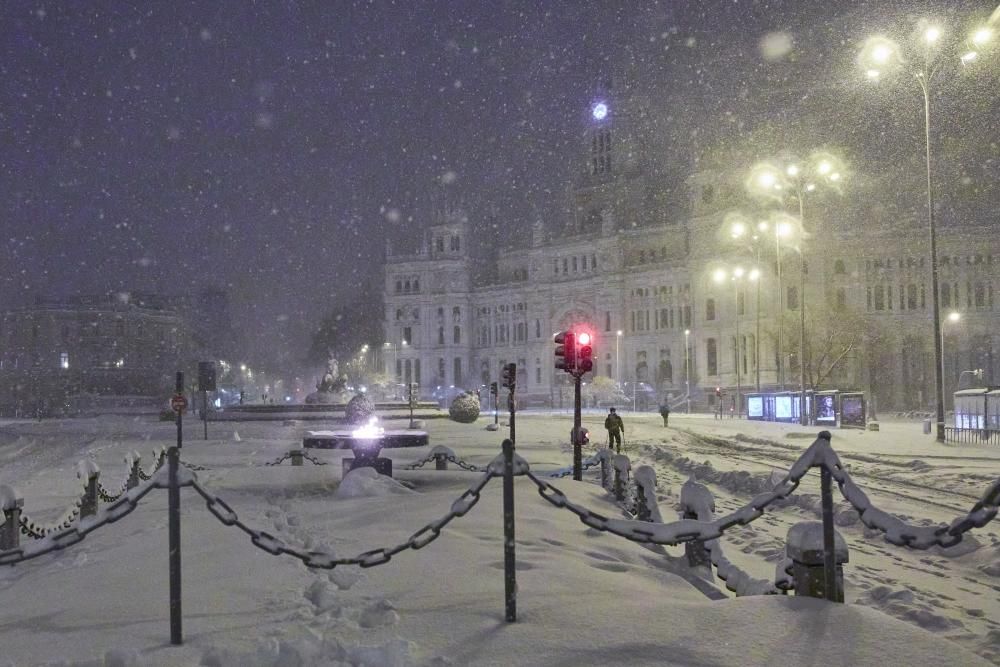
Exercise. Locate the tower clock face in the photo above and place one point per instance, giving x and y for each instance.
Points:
(599, 111)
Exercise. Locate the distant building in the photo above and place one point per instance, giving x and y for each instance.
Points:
(109, 345)
(623, 263)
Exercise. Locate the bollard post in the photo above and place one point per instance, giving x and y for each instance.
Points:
(622, 466)
(440, 462)
(174, 527)
(829, 554)
(134, 461)
(605, 470)
(509, 564)
(10, 530)
(697, 503)
(642, 512)
(805, 546)
(296, 455)
(89, 505)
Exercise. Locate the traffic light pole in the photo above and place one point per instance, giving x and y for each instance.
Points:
(577, 425)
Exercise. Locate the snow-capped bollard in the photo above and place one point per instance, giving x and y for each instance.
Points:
(296, 456)
(804, 545)
(646, 506)
(11, 503)
(133, 460)
(88, 471)
(604, 456)
(697, 503)
(441, 455)
(622, 467)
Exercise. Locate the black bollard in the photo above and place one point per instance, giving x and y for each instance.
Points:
(509, 571)
(174, 528)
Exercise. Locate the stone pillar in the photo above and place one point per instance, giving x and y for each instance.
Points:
(10, 530)
(440, 462)
(804, 546)
(296, 455)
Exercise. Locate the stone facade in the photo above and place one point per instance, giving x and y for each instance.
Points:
(105, 345)
(620, 265)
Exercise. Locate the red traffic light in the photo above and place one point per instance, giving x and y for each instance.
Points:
(565, 351)
(583, 338)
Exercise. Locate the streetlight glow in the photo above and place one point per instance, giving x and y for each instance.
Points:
(982, 36)
(835, 176)
(719, 275)
(793, 170)
(783, 229)
(824, 168)
(767, 180)
(882, 53)
(954, 316)
(969, 57)
(738, 230)
(754, 274)
(932, 34)
(738, 272)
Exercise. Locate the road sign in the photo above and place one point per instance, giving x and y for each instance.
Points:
(178, 403)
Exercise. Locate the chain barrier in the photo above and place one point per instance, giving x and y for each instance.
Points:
(326, 560)
(72, 534)
(108, 497)
(278, 461)
(419, 464)
(194, 466)
(36, 530)
(566, 472)
(160, 458)
(462, 464)
(314, 460)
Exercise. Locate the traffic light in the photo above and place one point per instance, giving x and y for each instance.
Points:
(585, 354)
(566, 351)
(718, 392)
(509, 376)
(493, 388)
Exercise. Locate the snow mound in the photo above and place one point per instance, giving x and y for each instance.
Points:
(366, 483)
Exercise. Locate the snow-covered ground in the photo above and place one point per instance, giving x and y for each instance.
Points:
(584, 597)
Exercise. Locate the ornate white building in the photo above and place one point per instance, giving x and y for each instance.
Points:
(643, 285)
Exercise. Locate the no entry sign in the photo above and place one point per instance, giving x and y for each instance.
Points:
(178, 403)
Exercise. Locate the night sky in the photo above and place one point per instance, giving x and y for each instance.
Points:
(270, 148)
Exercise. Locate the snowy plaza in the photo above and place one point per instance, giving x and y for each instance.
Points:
(584, 597)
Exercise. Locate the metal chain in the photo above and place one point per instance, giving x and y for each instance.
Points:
(325, 560)
(419, 464)
(36, 530)
(159, 457)
(278, 460)
(193, 466)
(566, 472)
(70, 535)
(462, 464)
(314, 460)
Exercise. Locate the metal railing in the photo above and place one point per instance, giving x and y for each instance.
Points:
(972, 436)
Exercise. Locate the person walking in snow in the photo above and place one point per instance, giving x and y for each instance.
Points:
(615, 428)
(665, 413)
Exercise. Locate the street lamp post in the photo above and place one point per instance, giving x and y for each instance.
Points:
(736, 275)
(687, 368)
(879, 54)
(953, 316)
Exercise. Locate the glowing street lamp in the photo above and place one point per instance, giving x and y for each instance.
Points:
(880, 53)
(795, 180)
